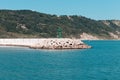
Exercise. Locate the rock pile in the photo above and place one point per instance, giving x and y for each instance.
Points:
(45, 43)
(60, 44)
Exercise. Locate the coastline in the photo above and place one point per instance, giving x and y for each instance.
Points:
(45, 43)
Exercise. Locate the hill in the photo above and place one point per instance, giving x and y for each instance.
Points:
(32, 24)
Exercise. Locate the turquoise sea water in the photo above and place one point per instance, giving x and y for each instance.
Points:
(102, 62)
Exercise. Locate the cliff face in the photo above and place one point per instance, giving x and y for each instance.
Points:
(115, 25)
(31, 24)
(86, 36)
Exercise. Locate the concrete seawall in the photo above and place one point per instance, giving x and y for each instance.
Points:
(45, 43)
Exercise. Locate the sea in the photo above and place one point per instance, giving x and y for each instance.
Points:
(101, 62)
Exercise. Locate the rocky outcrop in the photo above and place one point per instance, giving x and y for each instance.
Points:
(50, 43)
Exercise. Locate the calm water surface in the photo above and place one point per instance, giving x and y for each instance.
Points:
(102, 62)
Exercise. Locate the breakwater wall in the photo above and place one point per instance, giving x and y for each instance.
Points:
(45, 43)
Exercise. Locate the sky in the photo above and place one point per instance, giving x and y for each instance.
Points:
(94, 9)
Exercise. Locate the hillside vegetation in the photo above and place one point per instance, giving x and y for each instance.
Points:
(29, 24)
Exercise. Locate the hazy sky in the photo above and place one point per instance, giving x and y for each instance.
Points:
(95, 9)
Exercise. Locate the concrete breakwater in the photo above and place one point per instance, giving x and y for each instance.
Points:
(45, 43)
